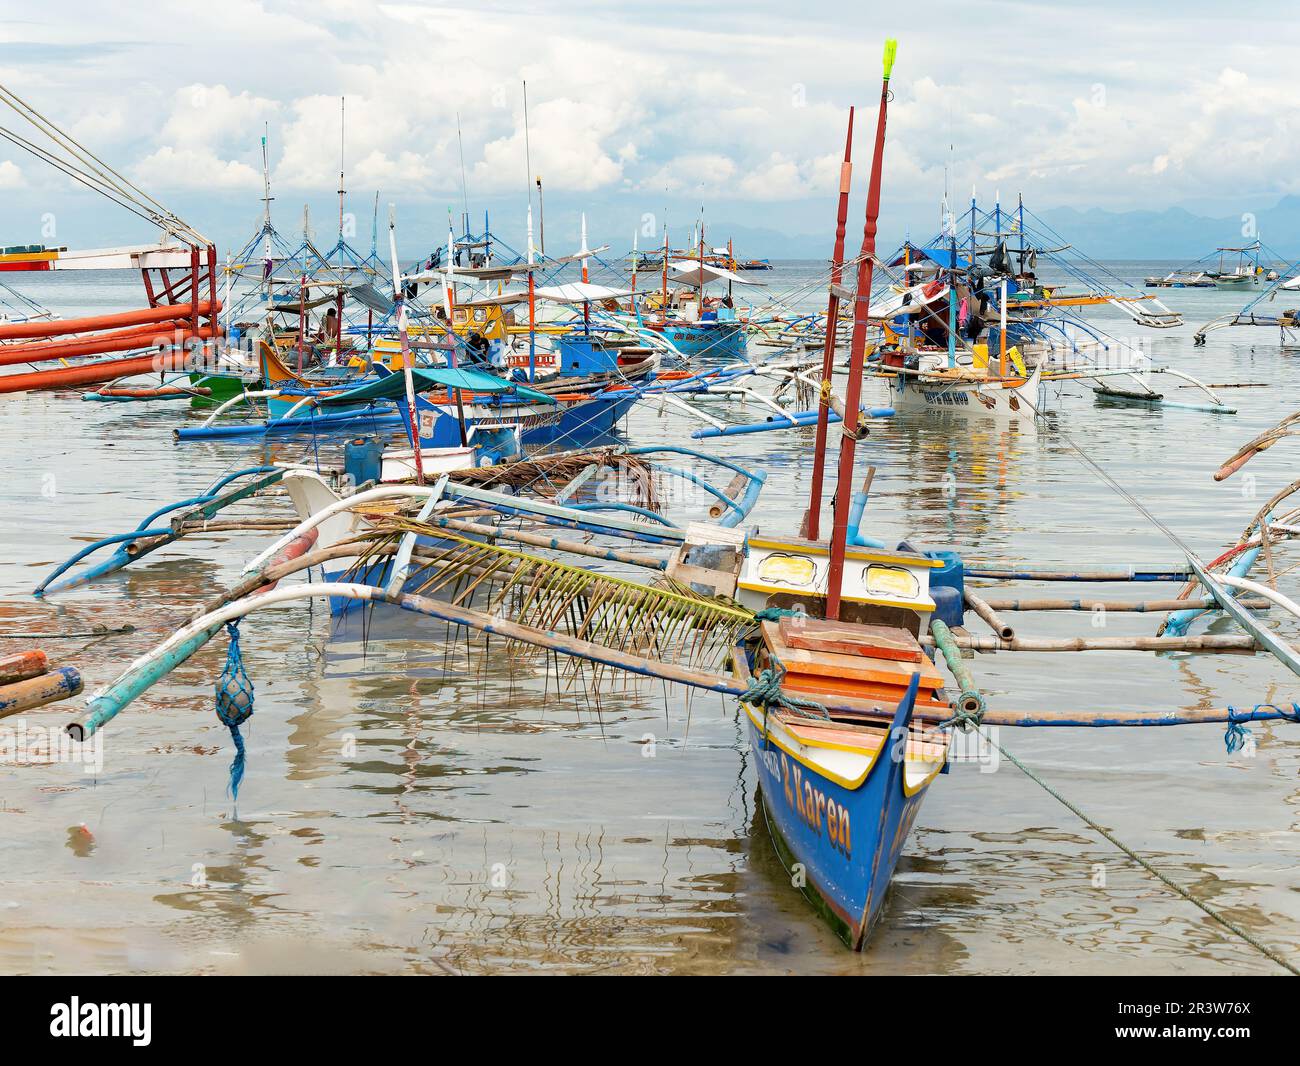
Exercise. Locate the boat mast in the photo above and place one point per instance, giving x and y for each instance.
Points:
(532, 305)
(699, 293)
(541, 216)
(532, 302)
(342, 128)
(267, 229)
(1020, 225)
(586, 304)
(812, 519)
(399, 295)
(972, 225)
(952, 293)
(663, 301)
(464, 185)
(583, 235)
(861, 311)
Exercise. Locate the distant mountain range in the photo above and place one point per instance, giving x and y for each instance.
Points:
(1172, 234)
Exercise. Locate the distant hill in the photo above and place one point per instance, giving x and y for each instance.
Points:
(1172, 234)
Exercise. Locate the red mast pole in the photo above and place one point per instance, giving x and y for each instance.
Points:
(853, 393)
(663, 296)
(812, 520)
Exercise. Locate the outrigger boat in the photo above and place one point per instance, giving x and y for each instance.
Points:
(984, 340)
(831, 646)
(1256, 313)
(1246, 273)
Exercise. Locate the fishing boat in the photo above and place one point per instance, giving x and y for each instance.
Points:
(1259, 312)
(1246, 274)
(841, 783)
(697, 328)
(976, 337)
(834, 646)
(1180, 279)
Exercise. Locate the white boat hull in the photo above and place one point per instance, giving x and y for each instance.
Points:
(992, 400)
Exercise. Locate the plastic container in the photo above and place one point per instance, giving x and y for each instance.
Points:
(361, 459)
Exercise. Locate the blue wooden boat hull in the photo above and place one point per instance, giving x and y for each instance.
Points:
(714, 341)
(840, 840)
(596, 417)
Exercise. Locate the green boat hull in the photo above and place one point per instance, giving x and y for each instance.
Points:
(223, 387)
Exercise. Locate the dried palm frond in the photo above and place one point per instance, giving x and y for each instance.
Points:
(666, 620)
(546, 475)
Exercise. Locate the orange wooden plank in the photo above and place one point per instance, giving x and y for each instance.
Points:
(864, 690)
(847, 638)
(858, 667)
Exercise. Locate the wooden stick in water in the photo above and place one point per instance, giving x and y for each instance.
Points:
(989, 616)
(1130, 606)
(1206, 643)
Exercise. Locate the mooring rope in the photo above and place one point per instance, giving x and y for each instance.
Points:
(1235, 735)
(1168, 882)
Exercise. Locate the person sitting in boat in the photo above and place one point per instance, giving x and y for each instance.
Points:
(476, 347)
(329, 328)
(726, 310)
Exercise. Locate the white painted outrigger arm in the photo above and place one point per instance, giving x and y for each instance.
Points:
(257, 394)
(1258, 589)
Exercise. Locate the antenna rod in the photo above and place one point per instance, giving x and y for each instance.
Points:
(464, 186)
(342, 138)
(541, 217)
(528, 181)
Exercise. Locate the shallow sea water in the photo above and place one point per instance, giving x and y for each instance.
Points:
(413, 807)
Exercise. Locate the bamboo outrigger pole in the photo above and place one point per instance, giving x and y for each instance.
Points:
(861, 310)
(812, 521)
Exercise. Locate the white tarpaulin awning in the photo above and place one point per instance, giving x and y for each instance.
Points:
(694, 273)
(577, 292)
(893, 304)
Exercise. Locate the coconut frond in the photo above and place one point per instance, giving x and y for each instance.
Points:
(666, 620)
(547, 475)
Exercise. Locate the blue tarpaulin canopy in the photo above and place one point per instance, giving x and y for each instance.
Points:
(944, 257)
(393, 387)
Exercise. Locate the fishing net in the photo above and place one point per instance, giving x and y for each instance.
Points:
(234, 703)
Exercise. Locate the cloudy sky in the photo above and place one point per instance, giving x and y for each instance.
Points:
(645, 111)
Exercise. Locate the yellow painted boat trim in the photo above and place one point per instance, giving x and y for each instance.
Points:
(30, 257)
(756, 717)
(856, 556)
(879, 601)
(852, 784)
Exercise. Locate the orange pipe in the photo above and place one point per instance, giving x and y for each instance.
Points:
(97, 344)
(93, 373)
(21, 665)
(31, 330)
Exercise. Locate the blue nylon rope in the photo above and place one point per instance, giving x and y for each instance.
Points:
(1235, 735)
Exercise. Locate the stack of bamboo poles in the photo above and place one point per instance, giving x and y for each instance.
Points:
(27, 681)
